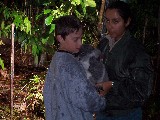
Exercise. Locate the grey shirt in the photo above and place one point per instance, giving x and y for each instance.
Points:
(68, 94)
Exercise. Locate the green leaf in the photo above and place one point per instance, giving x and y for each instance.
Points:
(90, 3)
(17, 21)
(27, 24)
(46, 4)
(2, 64)
(2, 25)
(48, 20)
(47, 11)
(29, 96)
(38, 16)
(44, 40)
(14, 13)
(36, 79)
(52, 28)
(33, 89)
(8, 27)
(51, 39)
(34, 49)
(6, 13)
(78, 14)
(1, 42)
(75, 2)
(83, 7)
(25, 47)
(36, 59)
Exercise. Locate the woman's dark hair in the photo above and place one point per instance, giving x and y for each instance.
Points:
(123, 9)
(66, 25)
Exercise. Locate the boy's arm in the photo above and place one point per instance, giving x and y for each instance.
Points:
(82, 93)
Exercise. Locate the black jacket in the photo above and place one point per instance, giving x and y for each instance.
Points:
(129, 67)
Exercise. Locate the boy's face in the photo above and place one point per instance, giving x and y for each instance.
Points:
(72, 42)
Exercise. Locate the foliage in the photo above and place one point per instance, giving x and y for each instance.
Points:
(2, 63)
(31, 103)
(5, 112)
(145, 13)
(85, 10)
(37, 32)
(13, 16)
(35, 95)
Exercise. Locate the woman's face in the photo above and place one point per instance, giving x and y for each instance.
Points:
(115, 24)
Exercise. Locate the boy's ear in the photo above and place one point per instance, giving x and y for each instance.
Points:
(59, 38)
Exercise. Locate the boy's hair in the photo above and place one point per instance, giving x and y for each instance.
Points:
(66, 25)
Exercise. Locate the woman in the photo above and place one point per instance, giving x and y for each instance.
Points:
(128, 66)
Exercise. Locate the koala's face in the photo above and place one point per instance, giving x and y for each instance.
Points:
(87, 51)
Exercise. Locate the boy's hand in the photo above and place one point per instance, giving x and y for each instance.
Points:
(106, 87)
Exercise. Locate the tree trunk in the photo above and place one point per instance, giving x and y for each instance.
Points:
(101, 15)
(144, 29)
(158, 58)
(12, 71)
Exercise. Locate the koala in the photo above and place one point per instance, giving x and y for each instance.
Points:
(95, 69)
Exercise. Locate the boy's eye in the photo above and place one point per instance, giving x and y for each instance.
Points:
(107, 20)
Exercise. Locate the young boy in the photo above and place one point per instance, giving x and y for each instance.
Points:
(68, 94)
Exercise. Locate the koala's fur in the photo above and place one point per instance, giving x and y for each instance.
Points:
(95, 69)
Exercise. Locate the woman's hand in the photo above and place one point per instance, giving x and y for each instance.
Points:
(106, 87)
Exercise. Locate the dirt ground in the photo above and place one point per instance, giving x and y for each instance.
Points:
(24, 70)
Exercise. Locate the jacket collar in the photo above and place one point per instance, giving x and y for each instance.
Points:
(122, 41)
